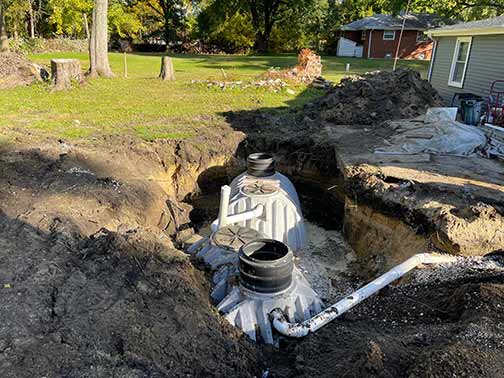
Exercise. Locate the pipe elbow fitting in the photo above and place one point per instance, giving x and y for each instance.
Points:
(280, 323)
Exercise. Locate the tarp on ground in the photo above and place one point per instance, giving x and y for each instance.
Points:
(441, 135)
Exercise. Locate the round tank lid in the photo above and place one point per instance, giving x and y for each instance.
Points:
(260, 188)
(233, 236)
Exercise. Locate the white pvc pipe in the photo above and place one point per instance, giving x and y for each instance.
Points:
(246, 215)
(225, 219)
(224, 205)
(281, 324)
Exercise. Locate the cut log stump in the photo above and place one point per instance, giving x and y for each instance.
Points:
(167, 72)
(64, 71)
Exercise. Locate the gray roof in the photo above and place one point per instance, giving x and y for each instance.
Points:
(489, 23)
(421, 21)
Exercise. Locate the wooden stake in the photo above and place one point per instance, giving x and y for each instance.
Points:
(125, 66)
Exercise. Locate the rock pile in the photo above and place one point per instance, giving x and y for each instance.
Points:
(308, 69)
(273, 84)
(375, 97)
(16, 70)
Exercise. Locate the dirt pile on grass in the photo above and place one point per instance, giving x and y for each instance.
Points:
(375, 97)
(308, 69)
(16, 70)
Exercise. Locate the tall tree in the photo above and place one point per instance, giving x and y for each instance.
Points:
(4, 40)
(267, 13)
(69, 17)
(98, 44)
(170, 14)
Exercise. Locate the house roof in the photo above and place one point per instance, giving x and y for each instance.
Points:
(422, 21)
(488, 26)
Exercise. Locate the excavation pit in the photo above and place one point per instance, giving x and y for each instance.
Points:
(86, 247)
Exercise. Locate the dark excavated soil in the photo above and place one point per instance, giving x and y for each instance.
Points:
(109, 305)
(375, 97)
(444, 327)
(90, 283)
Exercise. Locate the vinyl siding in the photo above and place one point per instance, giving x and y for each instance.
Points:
(486, 64)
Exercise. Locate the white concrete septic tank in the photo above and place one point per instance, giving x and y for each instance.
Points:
(263, 200)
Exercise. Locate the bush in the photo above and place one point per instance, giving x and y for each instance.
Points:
(41, 45)
(233, 33)
(26, 45)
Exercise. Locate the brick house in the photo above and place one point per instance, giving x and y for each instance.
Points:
(377, 36)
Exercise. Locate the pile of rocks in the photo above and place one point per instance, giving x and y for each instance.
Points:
(272, 84)
(375, 97)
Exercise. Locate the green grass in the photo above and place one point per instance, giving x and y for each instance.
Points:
(151, 109)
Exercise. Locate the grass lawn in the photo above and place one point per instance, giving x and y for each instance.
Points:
(144, 106)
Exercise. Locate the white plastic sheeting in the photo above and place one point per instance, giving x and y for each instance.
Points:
(440, 135)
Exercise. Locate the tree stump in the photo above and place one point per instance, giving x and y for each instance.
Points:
(64, 71)
(167, 72)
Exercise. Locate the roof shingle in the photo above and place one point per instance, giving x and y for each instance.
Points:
(422, 21)
(496, 22)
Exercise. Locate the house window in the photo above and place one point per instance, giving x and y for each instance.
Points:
(388, 35)
(363, 35)
(459, 62)
(421, 37)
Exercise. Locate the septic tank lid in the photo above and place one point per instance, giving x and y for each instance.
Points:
(260, 188)
(233, 237)
(260, 164)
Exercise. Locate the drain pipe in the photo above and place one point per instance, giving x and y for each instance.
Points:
(225, 192)
(302, 329)
(225, 219)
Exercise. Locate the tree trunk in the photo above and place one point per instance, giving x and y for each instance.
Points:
(32, 22)
(86, 25)
(64, 71)
(167, 34)
(4, 40)
(98, 46)
(167, 72)
(261, 43)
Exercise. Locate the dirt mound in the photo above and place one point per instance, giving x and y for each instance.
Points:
(108, 305)
(16, 70)
(375, 97)
(90, 286)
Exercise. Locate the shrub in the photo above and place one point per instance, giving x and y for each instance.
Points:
(40, 45)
